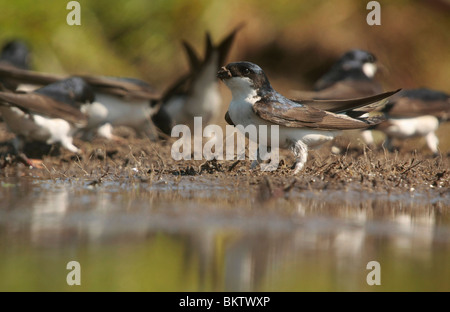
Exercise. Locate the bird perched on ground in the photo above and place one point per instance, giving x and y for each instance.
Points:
(413, 113)
(302, 124)
(118, 101)
(51, 114)
(196, 94)
(352, 76)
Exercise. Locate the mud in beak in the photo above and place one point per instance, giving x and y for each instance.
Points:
(224, 73)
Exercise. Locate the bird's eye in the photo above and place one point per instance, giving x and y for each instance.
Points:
(246, 71)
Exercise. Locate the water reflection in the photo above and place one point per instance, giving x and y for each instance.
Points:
(204, 236)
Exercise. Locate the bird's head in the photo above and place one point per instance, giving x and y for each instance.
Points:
(244, 78)
(359, 60)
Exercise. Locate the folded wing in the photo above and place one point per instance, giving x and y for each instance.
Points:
(44, 105)
(323, 114)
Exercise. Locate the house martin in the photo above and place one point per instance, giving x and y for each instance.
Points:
(51, 114)
(118, 102)
(413, 113)
(196, 94)
(352, 76)
(302, 124)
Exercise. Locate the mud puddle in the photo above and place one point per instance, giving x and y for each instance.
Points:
(184, 233)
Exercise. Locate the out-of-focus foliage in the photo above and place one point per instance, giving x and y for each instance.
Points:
(296, 40)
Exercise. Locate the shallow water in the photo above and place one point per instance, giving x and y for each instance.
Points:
(197, 234)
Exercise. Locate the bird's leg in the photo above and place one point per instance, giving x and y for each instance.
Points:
(273, 164)
(388, 144)
(18, 144)
(67, 143)
(24, 159)
(105, 131)
(300, 151)
(368, 137)
(148, 129)
(257, 161)
(432, 142)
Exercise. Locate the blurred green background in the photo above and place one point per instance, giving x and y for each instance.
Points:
(294, 41)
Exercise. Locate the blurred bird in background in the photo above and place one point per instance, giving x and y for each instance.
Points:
(196, 94)
(135, 104)
(410, 113)
(51, 114)
(118, 101)
(413, 113)
(352, 76)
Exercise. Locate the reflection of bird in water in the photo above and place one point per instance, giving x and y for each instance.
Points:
(231, 260)
(47, 219)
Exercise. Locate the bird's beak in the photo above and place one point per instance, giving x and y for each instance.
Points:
(224, 73)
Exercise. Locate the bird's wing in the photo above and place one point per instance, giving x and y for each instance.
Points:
(132, 89)
(404, 107)
(29, 76)
(315, 115)
(225, 45)
(182, 85)
(43, 105)
(194, 60)
(347, 89)
(354, 107)
(179, 87)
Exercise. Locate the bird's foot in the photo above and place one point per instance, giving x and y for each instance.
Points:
(34, 163)
(298, 166)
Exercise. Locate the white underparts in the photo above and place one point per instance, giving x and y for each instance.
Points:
(369, 69)
(203, 100)
(405, 128)
(40, 128)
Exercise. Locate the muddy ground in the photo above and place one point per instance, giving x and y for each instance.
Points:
(138, 160)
